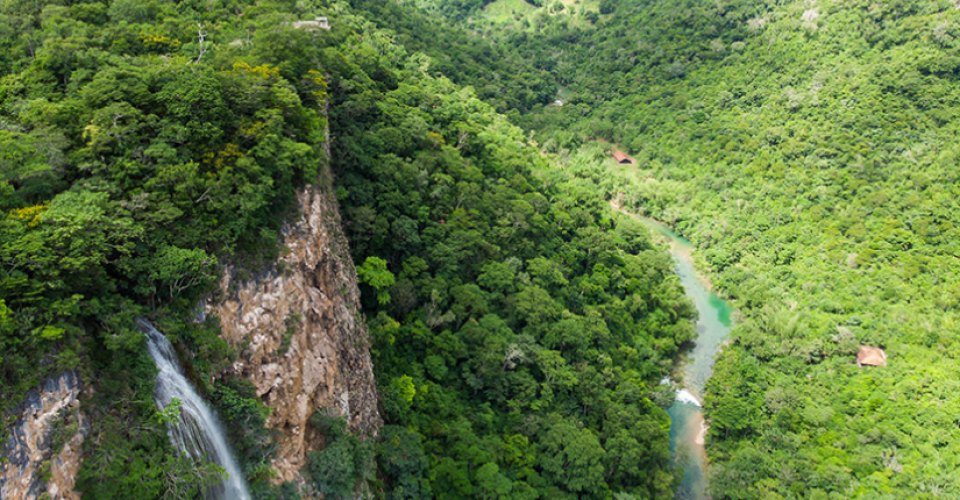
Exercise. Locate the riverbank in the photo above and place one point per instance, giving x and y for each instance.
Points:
(668, 234)
(688, 427)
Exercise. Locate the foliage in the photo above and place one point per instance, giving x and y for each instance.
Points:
(500, 75)
(128, 454)
(244, 417)
(403, 461)
(809, 151)
(130, 169)
(519, 327)
(254, 445)
(343, 468)
(374, 273)
(129, 172)
(519, 307)
(171, 414)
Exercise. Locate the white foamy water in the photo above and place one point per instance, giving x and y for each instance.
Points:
(686, 396)
(198, 433)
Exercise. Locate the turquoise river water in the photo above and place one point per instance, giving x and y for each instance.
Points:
(687, 429)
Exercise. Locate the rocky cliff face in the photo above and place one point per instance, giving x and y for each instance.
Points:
(304, 343)
(42, 453)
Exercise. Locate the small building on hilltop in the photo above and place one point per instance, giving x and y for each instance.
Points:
(872, 356)
(622, 158)
(318, 23)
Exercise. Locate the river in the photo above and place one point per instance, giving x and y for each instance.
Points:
(687, 429)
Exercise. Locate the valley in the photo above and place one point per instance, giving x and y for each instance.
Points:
(392, 253)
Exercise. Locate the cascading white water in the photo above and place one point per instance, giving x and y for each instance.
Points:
(198, 431)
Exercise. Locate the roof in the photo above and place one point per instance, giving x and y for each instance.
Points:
(873, 356)
(622, 157)
(317, 23)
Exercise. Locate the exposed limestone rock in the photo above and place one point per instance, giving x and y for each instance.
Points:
(304, 343)
(42, 453)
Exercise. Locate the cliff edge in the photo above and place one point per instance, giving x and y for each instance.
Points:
(41, 455)
(303, 341)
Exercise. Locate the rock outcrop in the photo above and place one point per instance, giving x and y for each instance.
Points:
(42, 453)
(303, 341)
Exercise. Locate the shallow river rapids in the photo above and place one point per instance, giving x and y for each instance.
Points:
(687, 429)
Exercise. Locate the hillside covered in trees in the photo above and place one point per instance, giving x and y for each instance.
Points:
(809, 149)
(519, 326)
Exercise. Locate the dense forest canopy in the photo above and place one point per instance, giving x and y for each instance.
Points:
(524, 327)
(519, 326)
(809, 150)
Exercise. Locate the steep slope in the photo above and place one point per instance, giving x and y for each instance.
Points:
(809, 149)
(519, 327)
(304, 342)
(146, 168)
(42, 453)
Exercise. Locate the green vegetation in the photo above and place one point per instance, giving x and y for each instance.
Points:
(155, 166)
(345, 467)
(135, 155)
(809, 149)
(244, 418)
(500, 75)
(532, 16)
(518, 325)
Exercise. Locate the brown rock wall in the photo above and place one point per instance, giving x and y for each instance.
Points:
(42, 453)
(303, 341)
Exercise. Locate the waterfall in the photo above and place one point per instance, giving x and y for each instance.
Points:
(685, 396)
(198, 432)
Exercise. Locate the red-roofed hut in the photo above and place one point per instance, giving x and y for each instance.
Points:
(622, 158)
(872, 356)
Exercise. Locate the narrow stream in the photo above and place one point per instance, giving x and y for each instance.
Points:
(687, 428)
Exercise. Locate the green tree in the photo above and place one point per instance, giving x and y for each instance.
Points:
(179, 269)
(374, 272)
(402, 459)
(571, 459)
